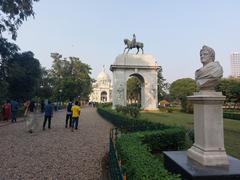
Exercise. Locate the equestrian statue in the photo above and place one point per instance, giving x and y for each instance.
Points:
(133, 44)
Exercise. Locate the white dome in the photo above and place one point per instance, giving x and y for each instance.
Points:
(103, 76)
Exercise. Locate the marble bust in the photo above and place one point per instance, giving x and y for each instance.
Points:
(208, 76)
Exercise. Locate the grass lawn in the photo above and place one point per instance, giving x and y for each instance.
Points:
(231, 127)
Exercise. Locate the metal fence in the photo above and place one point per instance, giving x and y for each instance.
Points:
(115, 170)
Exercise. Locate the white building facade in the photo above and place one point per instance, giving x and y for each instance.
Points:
(102, 89)
(235, 64)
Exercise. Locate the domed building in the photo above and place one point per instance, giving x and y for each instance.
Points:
(102, 88)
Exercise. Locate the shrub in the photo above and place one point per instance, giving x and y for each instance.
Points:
(166, 140)
(127, 123)
(190, 134)
(231, 115)
(138, 162)
(134, 111)
(169, 109)
(118, 108)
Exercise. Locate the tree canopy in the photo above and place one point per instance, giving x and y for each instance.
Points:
(182, 88)
(70, 78)
(23, 77)
(13, 13)
(230, 88)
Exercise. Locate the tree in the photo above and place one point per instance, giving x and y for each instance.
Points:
(230, 88)
(71, 76)
(7, 51)
(13, 13)
(24, 74)
(134, 89)
(162, 85)
(182, 88)
(45, 85)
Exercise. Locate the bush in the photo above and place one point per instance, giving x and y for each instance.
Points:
(190, 134)
(169, 109)
(137, 161)
(118, 108)
(166, 140)
(132, 110)
(127, 123)
(231, 115)
(186, 105)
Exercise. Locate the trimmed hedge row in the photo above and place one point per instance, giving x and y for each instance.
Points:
(231, 115)
(172, 139)
(129, 124)
(132, 110)
(138, 162)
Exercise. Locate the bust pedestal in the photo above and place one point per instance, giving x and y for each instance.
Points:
(208, 148)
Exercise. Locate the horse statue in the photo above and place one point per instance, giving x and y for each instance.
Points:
(131, 45)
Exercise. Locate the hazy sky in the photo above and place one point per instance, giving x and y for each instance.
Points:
(173, 31)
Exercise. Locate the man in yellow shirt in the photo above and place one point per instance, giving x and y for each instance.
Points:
(75, 115)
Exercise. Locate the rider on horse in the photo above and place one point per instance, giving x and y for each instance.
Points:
(134, 41)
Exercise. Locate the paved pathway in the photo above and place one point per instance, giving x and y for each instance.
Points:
(57, 153)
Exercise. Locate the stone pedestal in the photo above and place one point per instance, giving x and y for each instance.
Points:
(208, 148)
(177, 162)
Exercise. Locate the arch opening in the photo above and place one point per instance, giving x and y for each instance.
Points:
(103, 97)
(135, 89)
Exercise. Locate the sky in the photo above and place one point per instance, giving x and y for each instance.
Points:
(172, 31)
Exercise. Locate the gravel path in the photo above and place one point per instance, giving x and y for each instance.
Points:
(57, 153)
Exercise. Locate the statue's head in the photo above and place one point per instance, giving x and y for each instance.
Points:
(207, 55)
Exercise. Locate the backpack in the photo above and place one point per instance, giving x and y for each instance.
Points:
(69, 107)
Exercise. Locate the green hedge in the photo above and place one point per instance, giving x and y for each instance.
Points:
(137, 161)
(129, 124)
(167, 140)
(231, 115)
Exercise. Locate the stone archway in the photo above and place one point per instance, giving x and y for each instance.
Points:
(139, 88)
(103, 96)
(144, 66)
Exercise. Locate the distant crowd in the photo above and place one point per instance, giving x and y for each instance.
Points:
(10, 109)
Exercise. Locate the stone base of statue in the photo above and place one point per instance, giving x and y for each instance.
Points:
(178, 162)
(208, 148)
(142, 66)
(206, 159)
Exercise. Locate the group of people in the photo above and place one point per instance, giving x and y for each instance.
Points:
(9, 110)
(73, 113)
(72, 116)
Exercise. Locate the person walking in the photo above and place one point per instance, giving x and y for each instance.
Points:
(14, 108)
(69, 114)
(75, 115)
(6, 110)
(30, 115)
(48, 113)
